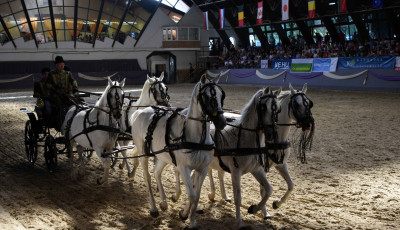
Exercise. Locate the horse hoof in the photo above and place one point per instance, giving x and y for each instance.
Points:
(228, 200)
(268, 217)
(211, 197)
(99, 181)
(245, 228)
(187, 228)
(121, 166)
(154, 214)
(163, 206)
(252, 209)
(275, 205)
(181, 215)
(200, 211)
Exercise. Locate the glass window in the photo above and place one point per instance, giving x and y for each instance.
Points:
(30, 4)
(183, 33)
(194, 34)
(16, 6)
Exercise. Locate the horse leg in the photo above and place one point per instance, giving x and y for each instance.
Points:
(147, 179)
(185, 175)
(211, 194)
(158, 168)
(106, 165)
(222, 186)
(178, 192)
(283, 170)
(124, 161)
(74, 171)
(82, 163)
(198, 179)
(265, 191)
(237, 196)
(131, 174)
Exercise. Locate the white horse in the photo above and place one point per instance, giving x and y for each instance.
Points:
(296, 110)
(183, 140)
(95, 128)
(154, 92)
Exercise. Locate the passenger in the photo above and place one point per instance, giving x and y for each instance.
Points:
(62, 88)
(41, 92)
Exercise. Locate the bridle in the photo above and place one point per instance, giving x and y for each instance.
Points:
(293, 105)
(118, 101)
(262, 108)
(210, 101)
(163, 93)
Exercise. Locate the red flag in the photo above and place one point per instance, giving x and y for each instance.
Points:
(259, 12)
(343, 6)
(240, 16)
(311, 9)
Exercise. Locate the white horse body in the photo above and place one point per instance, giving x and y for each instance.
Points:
(187, 160)
(249, 137)
(146, 99)
(286, 118)
(100, 140)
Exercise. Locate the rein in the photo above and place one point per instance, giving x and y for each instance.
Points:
(99, 94)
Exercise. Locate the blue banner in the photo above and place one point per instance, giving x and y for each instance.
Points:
(281, 63)
(324, 64)
(380, 62)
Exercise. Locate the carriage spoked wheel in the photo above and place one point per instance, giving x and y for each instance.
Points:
(30, 143)
(50, 153)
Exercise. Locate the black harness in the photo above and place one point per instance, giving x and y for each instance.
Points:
(94, 125)
(159, 112)
(239, 151)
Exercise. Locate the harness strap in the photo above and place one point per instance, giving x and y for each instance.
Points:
(158, 113)
(86, 119)
(97, 127)
(128, 127)
(250, 151)
(167, 132)
(185, 145)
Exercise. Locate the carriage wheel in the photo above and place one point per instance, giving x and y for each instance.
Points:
(50, 153)
(88, 153)
(30, 143)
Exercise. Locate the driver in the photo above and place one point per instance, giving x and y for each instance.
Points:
(61, 87)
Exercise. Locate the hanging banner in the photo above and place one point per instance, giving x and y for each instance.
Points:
(379, 62)
(281, 63)
(397, 65)
(324, 64)
(264, 64)
(301, 65)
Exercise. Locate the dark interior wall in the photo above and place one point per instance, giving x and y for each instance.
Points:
(119, 69)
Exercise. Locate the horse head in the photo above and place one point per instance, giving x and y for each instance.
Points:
(211, 98)
(115, 97)
(268, 108)
(300, 106)
(158, 90)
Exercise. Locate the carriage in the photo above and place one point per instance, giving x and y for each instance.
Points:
(42, 132)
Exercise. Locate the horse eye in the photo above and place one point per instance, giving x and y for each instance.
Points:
(311, 104)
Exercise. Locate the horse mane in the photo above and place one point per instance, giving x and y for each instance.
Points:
(104, 94)
(193, 98)
(247, 110)
(145, 89)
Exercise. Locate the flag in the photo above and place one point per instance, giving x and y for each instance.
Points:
(205, 20)
(259, 12)
(221, 18)
(240, 15)
(311, 8)
(343, 6)
(285, 10)
(377, 3)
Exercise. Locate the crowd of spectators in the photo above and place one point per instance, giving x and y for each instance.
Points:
(250, 57)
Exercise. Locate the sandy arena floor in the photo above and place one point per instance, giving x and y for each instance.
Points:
(351, 181)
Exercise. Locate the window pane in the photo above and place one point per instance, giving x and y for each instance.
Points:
(16, 6)
(183, 34)
(33, 14)
(194, 34)
(44, 13)
(30, 4)
(83, 3)
(82, 13)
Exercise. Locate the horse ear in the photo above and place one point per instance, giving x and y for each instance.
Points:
(161, 76)
(216, 79)
(267, 90)
(203, 79)
(122, 83)
(291, 89)
(148, 77)
(304, 90)
(109, 81)
(278, 91)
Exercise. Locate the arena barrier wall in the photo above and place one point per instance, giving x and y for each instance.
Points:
(342, 79)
